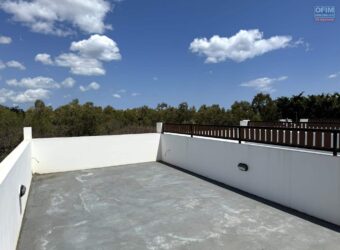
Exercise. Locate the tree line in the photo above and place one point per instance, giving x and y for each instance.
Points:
(75, 119)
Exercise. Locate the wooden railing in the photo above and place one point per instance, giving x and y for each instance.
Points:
(319, 139)
(311, 125)
(325, 120)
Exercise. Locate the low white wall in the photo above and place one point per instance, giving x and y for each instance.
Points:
(306, 181)
(73, 153)
(15, 170)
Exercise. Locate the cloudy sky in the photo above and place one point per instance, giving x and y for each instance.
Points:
(131, 53)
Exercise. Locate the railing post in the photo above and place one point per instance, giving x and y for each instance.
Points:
(160, 127)
(335, 143)
(27, 133)
(239, 135)
(191, 130)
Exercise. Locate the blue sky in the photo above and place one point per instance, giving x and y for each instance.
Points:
(131, 53)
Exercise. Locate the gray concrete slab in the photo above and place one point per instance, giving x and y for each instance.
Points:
(153, 206)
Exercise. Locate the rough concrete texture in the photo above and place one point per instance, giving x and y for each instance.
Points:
(153, 206)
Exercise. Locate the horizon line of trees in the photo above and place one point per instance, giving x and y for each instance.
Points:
(75, 119)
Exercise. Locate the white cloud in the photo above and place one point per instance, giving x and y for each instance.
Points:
(44, 59)
(29, 95)
(301, 42)
(264, 84)
(12, 64)
(2, 65)
(15, 64)
(88, 56)
(135, 94)
(335, 75)
(91, 86)
(5, 94)
(68, 82)
(155, 78)
(51, 17)
(80, 65)
(5, 40)
(97, 47)
(243, 45)
(119, 93)
(34, 83)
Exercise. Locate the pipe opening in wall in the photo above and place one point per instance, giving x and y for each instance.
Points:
(243, 167)
(22, 192)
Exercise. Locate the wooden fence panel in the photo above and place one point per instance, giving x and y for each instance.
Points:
(321, 139)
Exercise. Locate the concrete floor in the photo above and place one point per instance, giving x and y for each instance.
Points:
(153, 206)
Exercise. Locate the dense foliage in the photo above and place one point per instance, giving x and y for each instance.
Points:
(76, 119)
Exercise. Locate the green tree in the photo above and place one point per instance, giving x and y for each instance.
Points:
(185, 113)
(11, 124)
(40, 118)
(211, 115)
(242, 111)
(264, 107)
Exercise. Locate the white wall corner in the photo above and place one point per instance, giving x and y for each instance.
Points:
(159, 126)
(28, 133)
(244, 123)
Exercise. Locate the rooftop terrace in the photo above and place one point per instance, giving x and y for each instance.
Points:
(153, 206)
(206, 188)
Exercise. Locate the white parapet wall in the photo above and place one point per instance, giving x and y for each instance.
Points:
(74, 153)
(58, 155)
(15, 170)
(303, 180)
